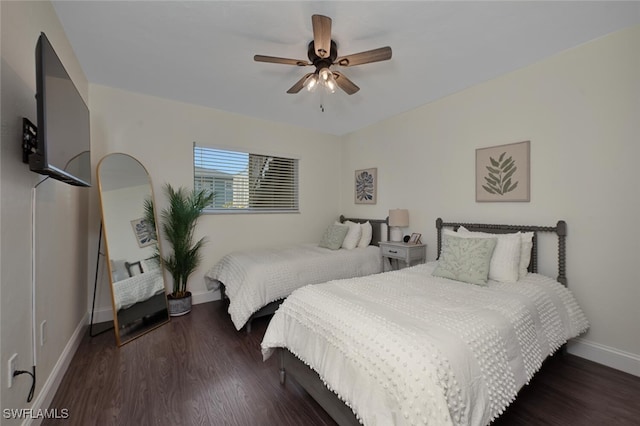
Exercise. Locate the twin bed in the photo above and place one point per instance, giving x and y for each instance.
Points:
(139, 292)
(414, 347)
(256, 281)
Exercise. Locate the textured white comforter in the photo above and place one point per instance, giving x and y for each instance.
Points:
(405, 347)
(254, 278)
(137, 288)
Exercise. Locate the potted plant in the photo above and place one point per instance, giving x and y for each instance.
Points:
(178, 222)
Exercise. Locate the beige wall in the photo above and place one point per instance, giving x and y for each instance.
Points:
(61, 217)
(160, 134)
(580, 110)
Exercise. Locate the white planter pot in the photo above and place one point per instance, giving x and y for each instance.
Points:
(181, 306)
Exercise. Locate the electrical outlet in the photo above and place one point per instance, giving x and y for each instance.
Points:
(43, 332)
(13, 361)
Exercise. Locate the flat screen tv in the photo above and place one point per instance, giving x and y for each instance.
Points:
(63, 136)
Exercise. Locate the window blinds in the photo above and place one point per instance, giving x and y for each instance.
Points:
(246, 182)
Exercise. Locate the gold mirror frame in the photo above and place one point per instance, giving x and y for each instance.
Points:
(136, 277)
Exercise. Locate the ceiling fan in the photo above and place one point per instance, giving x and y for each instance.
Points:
(323, 53)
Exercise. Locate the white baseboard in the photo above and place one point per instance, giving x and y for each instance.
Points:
(48, 391)
(605, 355)
(102, 315)
(204, 297)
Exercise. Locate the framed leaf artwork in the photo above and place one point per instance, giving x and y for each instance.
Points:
(365, 184)
(503, 172)
(143, 232)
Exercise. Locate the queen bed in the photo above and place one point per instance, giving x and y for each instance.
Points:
(416, 346)
(256, 281)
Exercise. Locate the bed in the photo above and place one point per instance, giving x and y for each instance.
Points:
(408, 347)
(137, 288)
(256, 281)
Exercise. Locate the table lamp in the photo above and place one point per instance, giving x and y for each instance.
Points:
(398, 218)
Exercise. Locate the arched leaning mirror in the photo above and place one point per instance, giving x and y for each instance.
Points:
(137, 281)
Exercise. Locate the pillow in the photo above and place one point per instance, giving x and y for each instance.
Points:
(118, 270)
(525, 253)
(367, 234)
(352, 238)
(150, 264)
(465, 259)
(334, 236)
(505, 262)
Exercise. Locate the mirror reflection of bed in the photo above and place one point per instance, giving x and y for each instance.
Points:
(139, 298)
(137, 281)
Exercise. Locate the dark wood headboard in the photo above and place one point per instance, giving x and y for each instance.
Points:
(130, 268)
(376, 226)
(560, 230)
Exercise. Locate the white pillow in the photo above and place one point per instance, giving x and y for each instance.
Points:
(352, 238)
(149, 265)
(118, 270)
(505, 262)
(525, 253)
(367, 234)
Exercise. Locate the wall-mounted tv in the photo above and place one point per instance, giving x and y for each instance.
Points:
(63, 136)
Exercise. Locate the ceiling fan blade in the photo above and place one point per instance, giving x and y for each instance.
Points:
(276, 60)
(321, 35)
(344, 83)
(375, 55)
(299, 84)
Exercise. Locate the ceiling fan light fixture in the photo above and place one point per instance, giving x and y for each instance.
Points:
(311, 83)
(327, 79)
(330, 84)
(322, 52)
(325, 74)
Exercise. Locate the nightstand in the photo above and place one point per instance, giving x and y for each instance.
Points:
(410, 254)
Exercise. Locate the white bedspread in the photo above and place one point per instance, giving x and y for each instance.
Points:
(405, 347)
(254, 278)
(137, 288)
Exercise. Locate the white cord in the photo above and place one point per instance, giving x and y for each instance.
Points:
(33, 272)
(34, 328)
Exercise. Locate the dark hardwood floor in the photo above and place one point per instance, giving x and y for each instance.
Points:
(198, 370)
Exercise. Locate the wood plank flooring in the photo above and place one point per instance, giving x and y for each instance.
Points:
(198, 370)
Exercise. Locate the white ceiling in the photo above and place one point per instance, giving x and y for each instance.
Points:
(201, 52)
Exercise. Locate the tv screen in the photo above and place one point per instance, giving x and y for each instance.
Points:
(63, 137)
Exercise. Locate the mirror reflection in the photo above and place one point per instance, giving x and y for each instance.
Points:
(137, 281)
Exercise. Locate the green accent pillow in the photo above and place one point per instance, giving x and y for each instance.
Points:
(334, 236)
(465, 259)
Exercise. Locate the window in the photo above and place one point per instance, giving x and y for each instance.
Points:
(246, 182)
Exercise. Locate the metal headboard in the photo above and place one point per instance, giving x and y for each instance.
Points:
(560, 230)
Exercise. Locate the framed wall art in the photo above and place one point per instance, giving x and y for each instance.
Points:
(365, 186)
(415, 238)
(143, 232)
(503, 172)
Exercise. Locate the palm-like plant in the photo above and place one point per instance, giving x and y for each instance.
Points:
(178, 222)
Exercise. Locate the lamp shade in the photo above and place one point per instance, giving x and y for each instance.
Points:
(399, 217)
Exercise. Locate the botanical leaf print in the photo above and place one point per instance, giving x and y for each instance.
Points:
(498, 180)
(364, 186)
